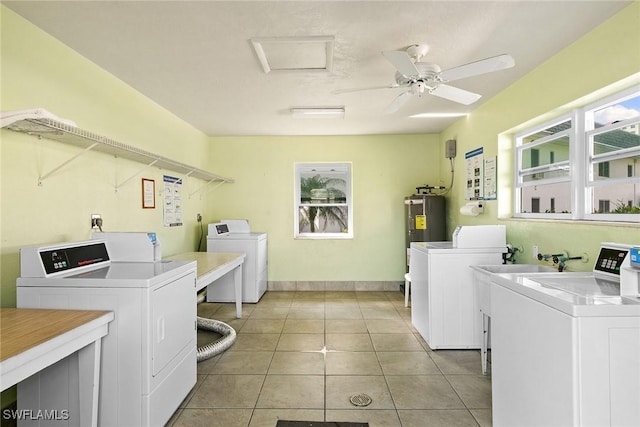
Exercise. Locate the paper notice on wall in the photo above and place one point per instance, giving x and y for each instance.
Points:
(491, 178)
(475, 171)
(172, 201)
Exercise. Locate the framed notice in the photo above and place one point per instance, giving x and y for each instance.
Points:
(148, 193)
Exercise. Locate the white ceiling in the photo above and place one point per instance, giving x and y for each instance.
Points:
(195, 58)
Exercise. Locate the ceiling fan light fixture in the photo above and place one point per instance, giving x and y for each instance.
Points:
(420, 76)
(317, 112)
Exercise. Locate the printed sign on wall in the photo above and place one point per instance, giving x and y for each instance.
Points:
(491, 178)
(475, 172)
(172, 201)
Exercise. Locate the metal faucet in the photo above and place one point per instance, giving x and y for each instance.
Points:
(562, 260)
(554, 257)
(510, 255)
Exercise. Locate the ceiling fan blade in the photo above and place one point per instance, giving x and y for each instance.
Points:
(360, 89)
(402, 62)
(454, 94)
(488, 65)
(398, 102)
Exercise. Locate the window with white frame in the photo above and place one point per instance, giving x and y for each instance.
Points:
(543, 168)
(323, 202)
(612, 137)
(585, 164)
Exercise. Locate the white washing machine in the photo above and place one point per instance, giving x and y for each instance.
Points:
(568, 343)
(235, 235)
(443, 303)
(148, 361)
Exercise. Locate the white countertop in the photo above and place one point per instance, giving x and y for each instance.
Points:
(576, 294)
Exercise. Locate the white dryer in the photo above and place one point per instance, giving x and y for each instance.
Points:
(148, 361)
(235, 235)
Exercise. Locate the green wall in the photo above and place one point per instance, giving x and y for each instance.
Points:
(604, 61)
(39, 71)
(386, 168)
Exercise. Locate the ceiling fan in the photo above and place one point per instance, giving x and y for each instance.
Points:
(420, 77)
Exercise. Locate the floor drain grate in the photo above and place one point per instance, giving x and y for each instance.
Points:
(360, 400)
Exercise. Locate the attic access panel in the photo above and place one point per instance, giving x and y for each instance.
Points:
(309, 53)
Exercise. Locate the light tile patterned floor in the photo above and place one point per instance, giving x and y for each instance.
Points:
(302, 355)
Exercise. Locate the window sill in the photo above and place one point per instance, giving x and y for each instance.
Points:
(574, 221)
(324, 236)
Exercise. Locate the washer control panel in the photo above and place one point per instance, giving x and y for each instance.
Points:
(610, 260)
(64, 259)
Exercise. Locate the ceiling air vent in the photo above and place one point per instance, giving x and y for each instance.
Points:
(310, 53)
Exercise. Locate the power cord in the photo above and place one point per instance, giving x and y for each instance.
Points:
(201, 234)
(452, 174)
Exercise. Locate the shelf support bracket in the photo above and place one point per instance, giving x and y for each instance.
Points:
(187, 175)
(57, 168)
(206, 185)
(135, 174)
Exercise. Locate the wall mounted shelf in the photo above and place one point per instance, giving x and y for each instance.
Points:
(89, 141)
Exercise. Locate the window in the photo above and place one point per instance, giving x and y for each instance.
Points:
(539, 180)
(612, 135)
(323, 204)
(535, 204)
(603, 169)
(592, 172)
(535, 157)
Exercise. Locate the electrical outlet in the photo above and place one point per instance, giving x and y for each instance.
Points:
(94, 221)
(534, 251)
(199, 218)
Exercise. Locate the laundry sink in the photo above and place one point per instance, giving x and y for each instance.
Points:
(515, 268)
(482, 280)
(482, 276)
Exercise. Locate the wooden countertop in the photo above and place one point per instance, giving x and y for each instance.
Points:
(209, 261)
(24, 328)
